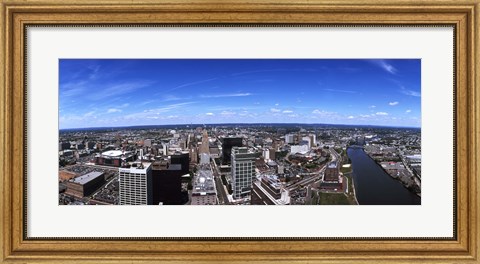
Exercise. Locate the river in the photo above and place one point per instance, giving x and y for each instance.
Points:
(373, 186)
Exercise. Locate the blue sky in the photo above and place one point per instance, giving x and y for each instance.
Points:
(128, 92)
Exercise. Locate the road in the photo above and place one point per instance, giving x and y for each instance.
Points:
(221, 194)
(318, 175)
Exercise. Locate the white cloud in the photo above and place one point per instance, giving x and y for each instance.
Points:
(209, 114)
(408, 111)
(372, 106)
(124, 105)
(276, 104)
(275, 110)
(321, 112)
(287, 111)
(351, 117)
(365, 116)
(113, 110)
(382, 113)
(393, 103)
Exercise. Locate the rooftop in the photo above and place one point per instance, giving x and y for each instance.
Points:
(136, 167)
(87, 177)
(113, 153)
(332, 165)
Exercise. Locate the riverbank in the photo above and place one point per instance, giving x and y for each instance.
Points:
(347, 174)
(372, 185)
(405, 180)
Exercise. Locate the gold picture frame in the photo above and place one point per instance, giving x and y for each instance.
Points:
(17, 14)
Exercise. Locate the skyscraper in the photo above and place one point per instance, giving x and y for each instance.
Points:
(133, 184)
(243, 171)
(204, 148)
(166, 183)
(227, 145)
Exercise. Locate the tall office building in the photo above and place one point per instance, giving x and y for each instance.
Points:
(204, 148)
(166, 183)
(183, 159)
(243, 171)
(133, 183)
(290, 139)
(227, 145)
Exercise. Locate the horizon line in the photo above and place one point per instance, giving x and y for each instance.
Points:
(204, 124)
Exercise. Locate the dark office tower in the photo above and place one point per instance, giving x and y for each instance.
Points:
(183, 159)
(228, 144)
(65, 145)
(166, 184)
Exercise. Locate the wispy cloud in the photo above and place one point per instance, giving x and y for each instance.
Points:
(224, 95)
(227, 113)
(274, 70)
(408, 111)
(382, 113)
(155, 112)
(192, 83)
(372, 106)
(170, 97)
(404, 90)
(94, 72)
(146, 102)
(410, 92)
(350, 117)
(89, 114)
(385, 65)
(339, 91)
(393, 103)
(113, 110)
(287, 111)
(118, 89)
(209, 114)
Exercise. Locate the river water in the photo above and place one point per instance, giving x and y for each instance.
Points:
(373, 186)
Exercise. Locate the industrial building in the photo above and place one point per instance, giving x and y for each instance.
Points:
(85, 185)
(269, 191)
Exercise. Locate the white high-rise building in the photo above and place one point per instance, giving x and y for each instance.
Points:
(289, 138)
(266, 154)
(133, 184)
(243, 171)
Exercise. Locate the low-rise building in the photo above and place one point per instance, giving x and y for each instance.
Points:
(85, 185)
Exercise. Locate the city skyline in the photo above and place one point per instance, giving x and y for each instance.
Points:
(135, 92)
